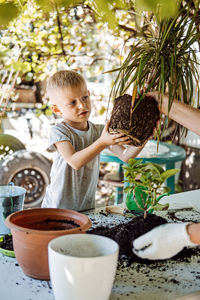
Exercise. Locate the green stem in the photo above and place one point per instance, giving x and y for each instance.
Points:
(139, 205)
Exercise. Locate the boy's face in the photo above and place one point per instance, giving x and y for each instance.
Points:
(73, 104)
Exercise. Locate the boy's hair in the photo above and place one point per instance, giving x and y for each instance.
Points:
(65, 78)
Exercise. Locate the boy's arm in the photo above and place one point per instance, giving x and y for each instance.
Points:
(80, 158)
(125, 153)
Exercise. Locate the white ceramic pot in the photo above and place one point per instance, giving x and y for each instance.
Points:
(82, 266)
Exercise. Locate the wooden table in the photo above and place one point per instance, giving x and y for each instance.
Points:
(162, 281)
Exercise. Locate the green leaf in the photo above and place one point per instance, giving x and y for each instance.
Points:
(134, 162)
(169, 173)
(165, 189)
(48, 6)
(158, 167)
(104, 11)
(21, 66)
(159, 206)
(162, 8)
(8, 11)
(152, 167)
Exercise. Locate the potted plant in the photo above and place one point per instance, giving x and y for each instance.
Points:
(144, 190)
(32, 230)
(145, 185)
(163, 58)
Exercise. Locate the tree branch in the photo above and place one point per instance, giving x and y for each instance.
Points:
(60, 31)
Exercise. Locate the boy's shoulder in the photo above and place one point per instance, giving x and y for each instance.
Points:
(98, 127)
(95, 124)
(63, 127)
(60, 128)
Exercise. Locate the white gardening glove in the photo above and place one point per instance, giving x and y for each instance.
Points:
(162, 242)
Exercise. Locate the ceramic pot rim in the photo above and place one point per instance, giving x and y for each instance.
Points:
(113, 244)
(84, 227)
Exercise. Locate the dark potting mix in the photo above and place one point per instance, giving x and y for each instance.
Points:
(137, 122)
(51, 224)
(126, 232)
(7, 242)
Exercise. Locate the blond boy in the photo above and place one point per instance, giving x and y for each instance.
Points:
(77, 144)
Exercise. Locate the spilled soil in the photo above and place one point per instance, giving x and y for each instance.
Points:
(125, 234)
(7, 242)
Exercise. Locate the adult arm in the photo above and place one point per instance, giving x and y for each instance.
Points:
(180, 112)
(125, 153)
(194, 232)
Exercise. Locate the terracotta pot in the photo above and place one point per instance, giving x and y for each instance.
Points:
(32, 229)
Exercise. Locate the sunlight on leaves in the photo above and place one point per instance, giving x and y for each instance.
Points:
(162, 8)
(8, 11)
(48, 6)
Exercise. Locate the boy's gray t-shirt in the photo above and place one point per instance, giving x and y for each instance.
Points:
(69, 188)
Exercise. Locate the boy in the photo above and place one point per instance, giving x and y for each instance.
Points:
(77, 144)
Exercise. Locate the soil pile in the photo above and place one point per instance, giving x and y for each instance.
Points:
(51, 224)
(7, 242)
(124, 234)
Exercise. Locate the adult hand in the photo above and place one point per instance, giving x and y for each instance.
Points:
(162, 242)
(163, 101)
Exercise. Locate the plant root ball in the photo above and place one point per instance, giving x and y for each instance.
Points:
(138, 124)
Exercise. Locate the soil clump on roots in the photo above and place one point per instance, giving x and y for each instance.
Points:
(139, 122)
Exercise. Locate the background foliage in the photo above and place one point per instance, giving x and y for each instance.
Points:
(37, 37)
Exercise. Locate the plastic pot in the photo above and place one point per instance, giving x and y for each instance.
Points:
(11, 200)
(139, 197)
(32, 229)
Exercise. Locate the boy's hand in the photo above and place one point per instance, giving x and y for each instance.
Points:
(162, 242)
(113, 139)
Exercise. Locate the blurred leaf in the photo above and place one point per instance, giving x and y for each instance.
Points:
(102, 110)
(8, 11)
(162, 8)
(103, 9)
(169, 173)
(159, 206)
(21, 66)
(47, 5)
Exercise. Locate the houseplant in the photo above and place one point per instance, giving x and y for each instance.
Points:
(162, 58)
(145, 185)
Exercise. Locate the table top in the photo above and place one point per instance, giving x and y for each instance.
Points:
(166, 153)
(157, 281)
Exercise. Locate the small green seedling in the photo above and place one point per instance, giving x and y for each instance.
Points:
(145, 185)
